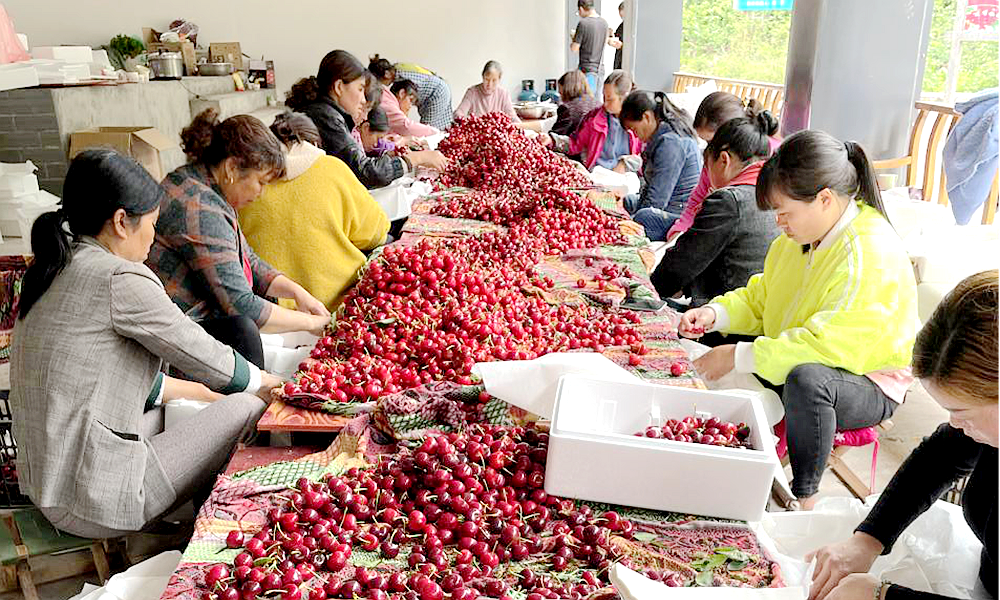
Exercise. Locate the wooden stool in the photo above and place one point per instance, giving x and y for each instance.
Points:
(28, 534)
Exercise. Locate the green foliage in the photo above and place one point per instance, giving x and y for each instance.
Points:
(978, 67)
(126, 46)
(728, 43)
(735, 44)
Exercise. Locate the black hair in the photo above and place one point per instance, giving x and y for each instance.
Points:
(98, 183)
(492, 65)
(338, 65)
(291, 128)
(404, 84)
(373, 90)
(809, 161)
(242, 137)
(744, 137)
(665, 111)
(585, 4)
(377, 121)
(719, 107)
(380, 67)
(621, 6)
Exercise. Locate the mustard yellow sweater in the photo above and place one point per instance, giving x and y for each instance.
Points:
(314, 227)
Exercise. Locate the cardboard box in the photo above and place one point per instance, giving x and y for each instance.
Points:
(141, 143)
(594, 454)
(229, 52)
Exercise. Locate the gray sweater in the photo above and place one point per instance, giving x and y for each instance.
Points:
(725, 246)
(83, 362)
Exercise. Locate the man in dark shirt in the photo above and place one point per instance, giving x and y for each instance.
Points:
(588, 41)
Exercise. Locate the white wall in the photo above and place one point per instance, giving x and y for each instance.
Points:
(451, 37)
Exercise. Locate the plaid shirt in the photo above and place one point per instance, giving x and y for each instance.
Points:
(433, 98)
(199, 249)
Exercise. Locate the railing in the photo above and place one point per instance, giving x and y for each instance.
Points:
(770, 95)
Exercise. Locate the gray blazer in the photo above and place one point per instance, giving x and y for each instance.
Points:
(83, 362)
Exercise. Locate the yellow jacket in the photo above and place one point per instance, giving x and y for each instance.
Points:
(849, 303)
(313, 224)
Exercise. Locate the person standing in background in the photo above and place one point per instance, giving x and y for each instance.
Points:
(592, 32)
(618, 40)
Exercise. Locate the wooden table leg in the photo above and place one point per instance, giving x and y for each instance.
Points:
(26, 581)
(101, 561)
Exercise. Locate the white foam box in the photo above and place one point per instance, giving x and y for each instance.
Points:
(17, 75)
(72, 54)
(594, 454)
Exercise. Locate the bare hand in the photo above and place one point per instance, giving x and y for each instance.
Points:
(429, 158)
(836, 561)
(717, 362)
(620, 167)
(267, 383)
(696, 321)
(317, 324)
(307, 303)
(545, 140)
(857, 586)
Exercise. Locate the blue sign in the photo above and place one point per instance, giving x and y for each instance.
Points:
(763, 4)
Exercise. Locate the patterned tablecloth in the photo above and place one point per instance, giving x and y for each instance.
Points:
(241, 498)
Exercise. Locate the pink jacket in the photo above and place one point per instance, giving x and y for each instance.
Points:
(588, 141)
(399, 123)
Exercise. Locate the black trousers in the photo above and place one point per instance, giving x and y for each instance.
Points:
(240, 334)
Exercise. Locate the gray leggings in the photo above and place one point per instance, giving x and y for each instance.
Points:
(191, 455)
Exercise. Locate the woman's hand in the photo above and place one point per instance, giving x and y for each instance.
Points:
(317, 324)
(307, 303)
(696, 321)
(857, 586)
(620, 168)
(545, 140)
(428, 158)
(267, 383)
(837, 561)
(717, 362)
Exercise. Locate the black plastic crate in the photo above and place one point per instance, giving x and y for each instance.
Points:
(10, 494)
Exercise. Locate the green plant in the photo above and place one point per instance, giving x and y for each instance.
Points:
(127, 46)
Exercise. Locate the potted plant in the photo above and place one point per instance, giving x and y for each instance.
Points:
(124, 50)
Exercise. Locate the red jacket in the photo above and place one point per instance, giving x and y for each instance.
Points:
(589, 138)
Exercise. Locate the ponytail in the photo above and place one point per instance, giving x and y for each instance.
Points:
(303, 93)
(640, 101)
(50, 243)
(99, 183)
(744, 137)
(810, 161)
(867, 182)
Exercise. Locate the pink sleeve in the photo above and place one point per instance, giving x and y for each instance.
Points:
(400, 124)
(693, 205)
(465, 106)
(508, 108)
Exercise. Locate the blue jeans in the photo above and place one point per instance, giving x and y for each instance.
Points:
(592, 81)
(656, 222)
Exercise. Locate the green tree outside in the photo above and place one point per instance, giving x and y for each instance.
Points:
(735, 44)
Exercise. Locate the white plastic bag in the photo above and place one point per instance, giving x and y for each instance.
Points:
(144, 581)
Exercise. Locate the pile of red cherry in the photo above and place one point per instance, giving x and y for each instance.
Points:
(461, 515)
(696, 430)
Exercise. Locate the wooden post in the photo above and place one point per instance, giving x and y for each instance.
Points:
(955, 56)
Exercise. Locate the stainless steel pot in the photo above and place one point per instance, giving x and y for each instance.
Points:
(215, 69)
(167, 65)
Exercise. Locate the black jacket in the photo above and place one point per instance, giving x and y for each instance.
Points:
(725, 245)
(940, 460)
(335, 128)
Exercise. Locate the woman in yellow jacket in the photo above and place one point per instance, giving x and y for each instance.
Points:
(833, 317)
(315, 223)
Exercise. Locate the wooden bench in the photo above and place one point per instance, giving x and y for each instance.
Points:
(923, 160)
(770, 95)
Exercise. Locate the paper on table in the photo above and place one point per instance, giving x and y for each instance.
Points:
(144, 581)
(532, 384)
(774, 410)
(633, 586)
(627, 183)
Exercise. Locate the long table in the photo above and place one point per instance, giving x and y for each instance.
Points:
(249, 488)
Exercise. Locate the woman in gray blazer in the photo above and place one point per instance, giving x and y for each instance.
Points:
(87, 383)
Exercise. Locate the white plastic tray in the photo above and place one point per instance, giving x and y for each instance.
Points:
(593, 454)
